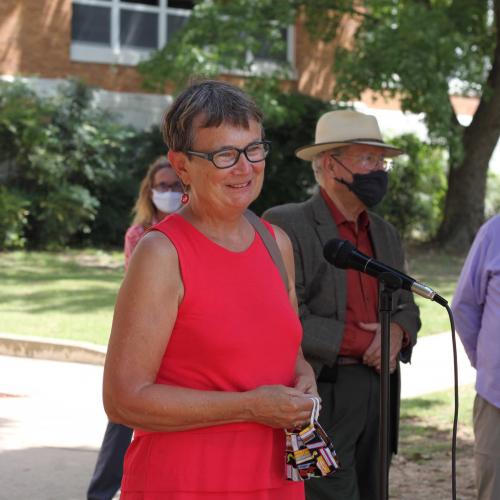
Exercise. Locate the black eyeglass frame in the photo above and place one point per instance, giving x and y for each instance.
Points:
(210, 156)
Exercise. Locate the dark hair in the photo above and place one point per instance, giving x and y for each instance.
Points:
(215, 102)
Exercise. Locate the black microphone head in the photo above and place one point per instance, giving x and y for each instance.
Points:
(337, 252)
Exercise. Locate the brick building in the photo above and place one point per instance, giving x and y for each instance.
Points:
(100, 41)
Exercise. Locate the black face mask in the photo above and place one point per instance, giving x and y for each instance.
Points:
(370, 188)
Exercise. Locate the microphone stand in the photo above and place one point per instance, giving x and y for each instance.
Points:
(389, 284)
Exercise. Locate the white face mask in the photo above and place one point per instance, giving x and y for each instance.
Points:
(167, 202)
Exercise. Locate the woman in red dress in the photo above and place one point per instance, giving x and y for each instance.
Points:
(159, 195)
(204, 359)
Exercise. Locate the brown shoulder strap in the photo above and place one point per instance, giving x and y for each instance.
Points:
(270, 244)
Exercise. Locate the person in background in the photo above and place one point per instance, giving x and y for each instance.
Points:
(160, 194)
(204, 358)
(476, 309)
(339, 308)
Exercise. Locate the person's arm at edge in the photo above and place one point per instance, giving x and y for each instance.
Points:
(146, 308)
(469, 296)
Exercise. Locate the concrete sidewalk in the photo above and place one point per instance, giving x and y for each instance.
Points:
(52, 420)
(431, 367)
(51, 426)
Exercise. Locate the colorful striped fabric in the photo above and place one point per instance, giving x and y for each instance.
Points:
(309, 452)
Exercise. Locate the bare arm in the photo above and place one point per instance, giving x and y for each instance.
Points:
(145, 313)
(322, 333)
(304, 375)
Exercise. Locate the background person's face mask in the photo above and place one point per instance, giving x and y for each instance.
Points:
(167, 202)
(370, 188)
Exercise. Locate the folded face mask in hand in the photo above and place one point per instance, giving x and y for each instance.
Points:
(309, 452)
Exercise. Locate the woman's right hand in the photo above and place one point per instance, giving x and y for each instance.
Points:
(280, 406)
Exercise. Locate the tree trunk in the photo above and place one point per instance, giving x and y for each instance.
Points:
(464, 204)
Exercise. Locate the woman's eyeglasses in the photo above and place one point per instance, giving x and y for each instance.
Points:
(163, 187)
(227, 157)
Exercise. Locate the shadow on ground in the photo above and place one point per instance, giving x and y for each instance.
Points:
(45, 473)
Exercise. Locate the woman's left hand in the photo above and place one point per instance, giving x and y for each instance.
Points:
(306, 383)
(305, 380)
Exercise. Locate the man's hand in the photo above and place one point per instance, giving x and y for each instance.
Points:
(373, 355)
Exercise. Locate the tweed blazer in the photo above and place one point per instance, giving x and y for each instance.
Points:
(321, 287)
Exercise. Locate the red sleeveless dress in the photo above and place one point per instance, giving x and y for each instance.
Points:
(235, 330)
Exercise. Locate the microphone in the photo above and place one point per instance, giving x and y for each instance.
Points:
(344, 255)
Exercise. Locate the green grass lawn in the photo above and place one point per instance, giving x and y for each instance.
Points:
(427, 422)
(67, 295)
(70, 295)
(440, 271)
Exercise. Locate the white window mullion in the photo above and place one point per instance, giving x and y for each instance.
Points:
(115, 27)
(162, 24)
(99, 3)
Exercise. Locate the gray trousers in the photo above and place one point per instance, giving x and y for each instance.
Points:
(350, 416)
(487, 449)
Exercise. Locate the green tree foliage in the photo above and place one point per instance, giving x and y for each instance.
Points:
(57, 191)
(417, 187)
(220, 36)
(492, 201)
(118, 196)
(418, 51)
(292, 123)
(12, 219)
(71, 172)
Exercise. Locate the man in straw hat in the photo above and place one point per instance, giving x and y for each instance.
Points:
(338, 308)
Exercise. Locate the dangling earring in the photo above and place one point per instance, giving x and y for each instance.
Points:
(185, 197)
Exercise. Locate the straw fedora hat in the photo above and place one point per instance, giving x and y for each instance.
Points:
(342, 128)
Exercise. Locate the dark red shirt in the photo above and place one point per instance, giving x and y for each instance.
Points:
(362, 290)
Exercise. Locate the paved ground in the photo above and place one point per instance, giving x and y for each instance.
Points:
(52, 421)
(431, 368)
(51, 424)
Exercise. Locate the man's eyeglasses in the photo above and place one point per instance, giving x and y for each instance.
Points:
(368, 161)
(227, 157)
(163, 187)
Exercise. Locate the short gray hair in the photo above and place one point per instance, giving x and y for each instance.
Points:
(215, 102)
(317, 167)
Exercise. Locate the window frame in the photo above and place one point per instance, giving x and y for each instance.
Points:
(130, 56)
(115, 53)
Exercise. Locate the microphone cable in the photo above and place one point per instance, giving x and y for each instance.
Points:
(344, 255)
(455, 413)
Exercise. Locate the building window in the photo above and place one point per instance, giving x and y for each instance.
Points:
(127, 31)
(124, 31)
(138, 29)
(92, 24)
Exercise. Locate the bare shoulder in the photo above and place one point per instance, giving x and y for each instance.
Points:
(155, 245)
(154, 259)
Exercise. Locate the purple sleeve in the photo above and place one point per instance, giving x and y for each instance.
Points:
(468, 301)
